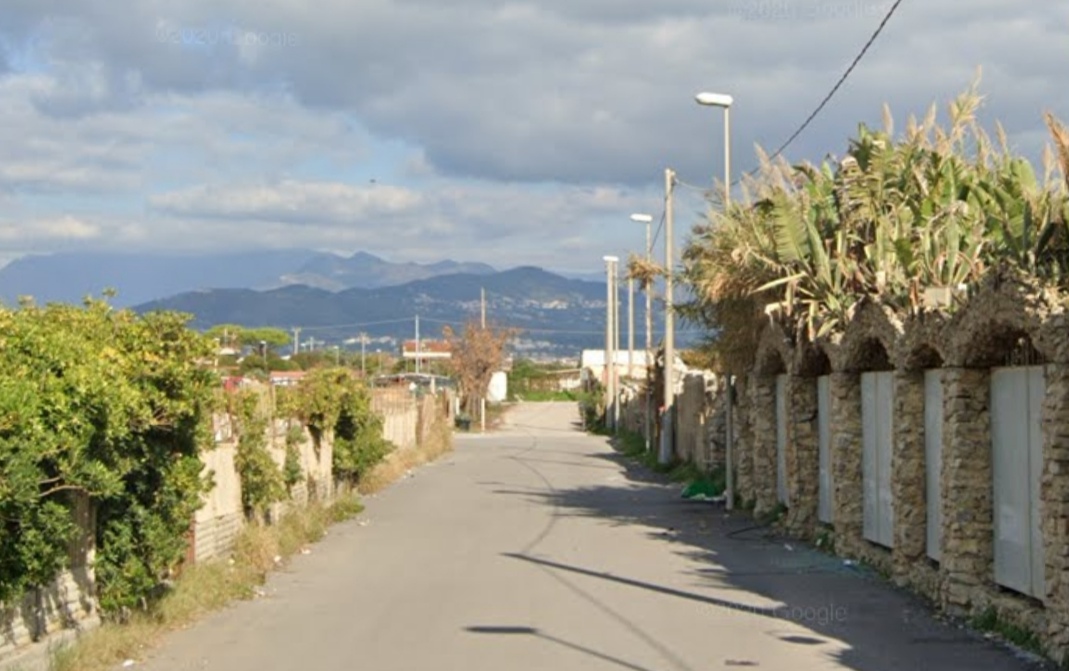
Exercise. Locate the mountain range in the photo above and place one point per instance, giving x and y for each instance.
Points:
(139, 278)
(333, 298)
(551, 314)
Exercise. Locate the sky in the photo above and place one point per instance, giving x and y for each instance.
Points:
(512, 133)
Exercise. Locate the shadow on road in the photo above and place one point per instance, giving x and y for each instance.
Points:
(886, 629)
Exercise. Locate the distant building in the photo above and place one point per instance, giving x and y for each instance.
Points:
(286, 378)
(498, 391)
(628, 364)
(426, 350)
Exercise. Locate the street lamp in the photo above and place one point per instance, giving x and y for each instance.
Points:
(648, 220)
(724, 101)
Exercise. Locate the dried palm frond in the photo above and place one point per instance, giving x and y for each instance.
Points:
(1061, 141)
(642, 270)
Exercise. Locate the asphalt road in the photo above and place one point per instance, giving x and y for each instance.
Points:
(539, 548)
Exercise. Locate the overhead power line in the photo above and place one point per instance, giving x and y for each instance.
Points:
(834, 90)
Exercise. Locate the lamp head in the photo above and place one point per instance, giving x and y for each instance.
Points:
(642, 218)
(714, 99)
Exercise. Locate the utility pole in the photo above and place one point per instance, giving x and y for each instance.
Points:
(615, 346)
(610, 339)
(648, 358)
(630, 327)
(482, 396)
(363, 354)
(296, 339)
(667, 427)
(417, 345)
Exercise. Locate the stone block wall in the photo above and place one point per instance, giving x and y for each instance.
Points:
(1055, 503)
(911, 565)
(400, 415)
(968, 545)
(744, 451)
(715, 411)
(803, 456)
(690, 434)
(68, 602)
(998, 326)
(217, 523)
(848, 494)
(763, 423)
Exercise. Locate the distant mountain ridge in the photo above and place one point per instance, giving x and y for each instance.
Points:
(552, 313)
(138, 278)
(363, 270)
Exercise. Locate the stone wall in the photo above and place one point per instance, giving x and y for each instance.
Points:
(803, 456)
(1055, 503)
(217, 523)
(848, 493)
(763, 445)
(69, 602)
(691, 443)
(1001, 323)
(908, 483)
(400, 415)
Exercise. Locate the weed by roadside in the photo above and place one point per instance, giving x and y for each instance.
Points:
(398, 463)
(989, 621)
(633, 446)
(206, 587)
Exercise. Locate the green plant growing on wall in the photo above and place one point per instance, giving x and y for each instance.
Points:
(103, 405)
(262, 482)
(335, 403)
(940, 207)
(291, 468)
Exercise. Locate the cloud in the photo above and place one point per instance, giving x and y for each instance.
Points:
(290, 202)
(492, 131)
(61, 229)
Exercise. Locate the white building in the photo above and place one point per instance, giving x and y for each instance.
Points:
(628, 364)
(498, 391)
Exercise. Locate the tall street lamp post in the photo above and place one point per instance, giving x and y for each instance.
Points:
(725, 101)
(647, 427)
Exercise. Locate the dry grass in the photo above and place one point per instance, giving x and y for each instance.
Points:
(206, 587)
(1060, 134)
(397, 464)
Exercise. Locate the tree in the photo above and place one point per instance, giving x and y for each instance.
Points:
(232, 335)
(476, 356)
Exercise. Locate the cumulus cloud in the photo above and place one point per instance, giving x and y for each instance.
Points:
(63, 229)
(527, 125)
(291, 202)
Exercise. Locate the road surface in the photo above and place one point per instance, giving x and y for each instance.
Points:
(538, 547)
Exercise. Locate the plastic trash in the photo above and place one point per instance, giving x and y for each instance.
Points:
(702, 490)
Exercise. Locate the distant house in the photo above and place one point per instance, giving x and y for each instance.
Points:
(286, 378)
(424, 351)
(628, 364)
